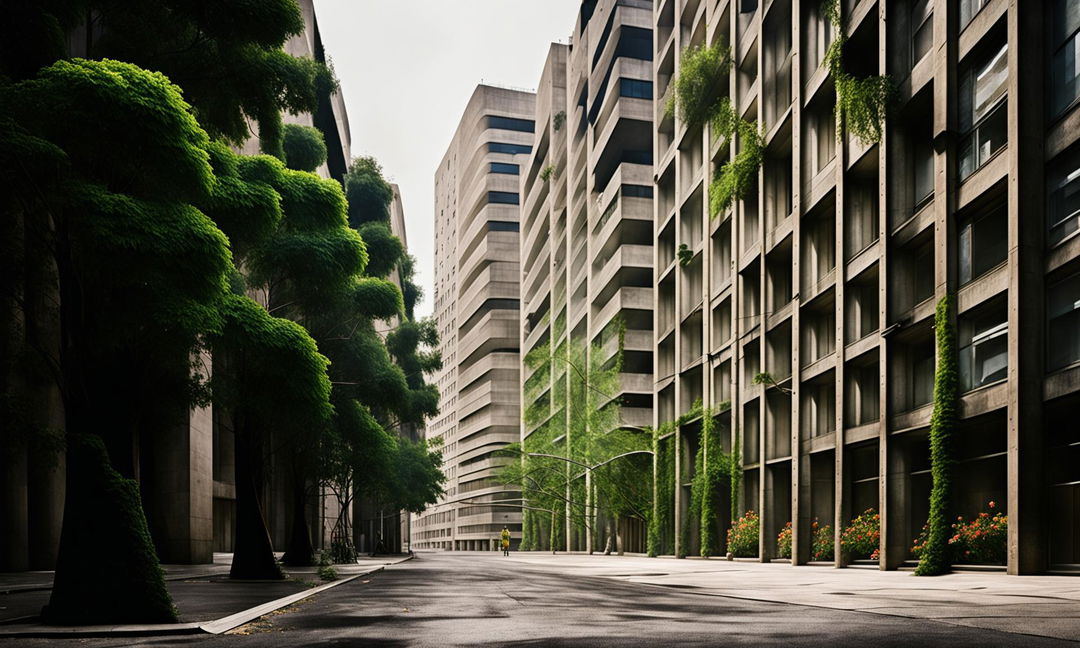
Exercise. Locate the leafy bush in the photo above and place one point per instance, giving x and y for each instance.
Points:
(783, 542)
(862, 538)
(698, 84)
(305, 147)
(823, 543)
(327, 573)
(742, 537)
(685, 255)
(861, 103)
(547, 172)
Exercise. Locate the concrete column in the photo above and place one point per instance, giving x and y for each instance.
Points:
(1028, 496)
(177, 489)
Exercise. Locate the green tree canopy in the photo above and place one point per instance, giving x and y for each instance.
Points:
(305, 147)
(368, 192)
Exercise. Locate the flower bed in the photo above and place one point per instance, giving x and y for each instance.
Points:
(983, 540)
(742, 537)
(783, 542)
(862, 538)
(822, 541)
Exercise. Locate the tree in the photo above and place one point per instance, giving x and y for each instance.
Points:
(304, 147)
(103, 165)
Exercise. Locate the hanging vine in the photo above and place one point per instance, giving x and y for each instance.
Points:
(861, 103)
(735, 178)
(697, 88)
(935, 554)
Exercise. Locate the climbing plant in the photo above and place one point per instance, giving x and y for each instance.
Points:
(685, 255)
(935, 553)
(547, 172)
(714, 467)
(737, 175)
(696, 98)
(861, 103)
(557, 120)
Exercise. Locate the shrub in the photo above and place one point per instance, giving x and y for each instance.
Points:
(698, 84)
(685, 255)
(547, 172)
(742, 537)
(305, 147)
(862, 537)
(982, 540)
(783, 542)
(327, 573)
(822, 541)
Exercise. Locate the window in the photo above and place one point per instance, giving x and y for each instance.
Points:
(1065, 67)
(822, 138)
(983, 244)
(637, 191)
(861, 224)
(968, 9)
(503, 197)
(1063, 197)
(512, 149)
(510, 123)
(819, 36)
(982, 111)
(924, 169)
(635, 89)
(502, 167)
(502, 226)
(922, 380)
(922, 29)
(984, 348)
(1063, 317)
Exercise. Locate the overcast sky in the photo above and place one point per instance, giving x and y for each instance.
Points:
(407, 69)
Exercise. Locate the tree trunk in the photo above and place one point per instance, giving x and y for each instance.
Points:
(107, 571)
(253, 553)
(300, 552)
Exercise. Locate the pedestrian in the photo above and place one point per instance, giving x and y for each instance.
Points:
(505, 541)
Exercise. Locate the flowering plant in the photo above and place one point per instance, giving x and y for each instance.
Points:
(982, 540)
(861, 539)
(742, 537)
(822, 541)
(783, 542)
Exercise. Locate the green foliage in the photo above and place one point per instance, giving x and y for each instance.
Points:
(243, 202)
(713, 470)
(327, 573)
(822, 541)
(558, 120)
(368, 192)
(982, 540)
(862, 538)
(737, 175)
(943, 419)
(376, 298)
(410, 291)
(662, 521)
(547, 172)
(742, 537)
(110, 571)
(861, 103)
(418, 477)
(685, 255)
(698, 86)
(385, 250)
(783, 542)
(304, 147)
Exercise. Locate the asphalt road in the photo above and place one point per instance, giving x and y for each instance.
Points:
(485, 600)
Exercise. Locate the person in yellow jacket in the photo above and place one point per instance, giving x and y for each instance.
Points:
(505, 541)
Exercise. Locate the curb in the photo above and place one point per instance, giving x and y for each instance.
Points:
(214, 627)
(19, 589)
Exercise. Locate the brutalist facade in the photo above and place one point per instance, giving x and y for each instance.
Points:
(826, 274)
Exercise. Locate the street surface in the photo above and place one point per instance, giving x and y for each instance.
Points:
(484, 599)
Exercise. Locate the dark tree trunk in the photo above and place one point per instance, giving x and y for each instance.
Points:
(300, 552)
(253, 553)
(107, 570)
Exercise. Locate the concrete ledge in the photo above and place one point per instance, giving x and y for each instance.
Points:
(217, 626)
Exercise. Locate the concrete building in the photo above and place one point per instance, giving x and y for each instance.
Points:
(827, 274)
(587, 188)
(476, 309)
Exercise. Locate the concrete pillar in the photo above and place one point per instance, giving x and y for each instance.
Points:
(1028, 496)
(177, 489)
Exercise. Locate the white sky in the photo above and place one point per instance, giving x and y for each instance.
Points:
(408, 67)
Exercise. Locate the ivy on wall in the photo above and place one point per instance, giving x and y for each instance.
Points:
(861, 103)
(935, 554)
(736, 176)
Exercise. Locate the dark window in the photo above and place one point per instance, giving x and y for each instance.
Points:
(1063, 197)
(510, 123)
(502, 226)
(636, 157)
(635, 43)
(922, 29)
(637, 191)
(984, 347)
(502, 167)
(503, 197)
(983, 244)
(513, 149)
(635, 88)
(1065, 42)
(1063, 319)
(968, 9)
(982, 110)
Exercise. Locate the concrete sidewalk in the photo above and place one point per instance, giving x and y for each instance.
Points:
(1047, 606)
(207, 600)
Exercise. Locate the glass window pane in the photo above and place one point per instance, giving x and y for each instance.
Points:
(1063, 315)
(1066, 74)
(1063, 197)
(1066, 20)
(990, 83)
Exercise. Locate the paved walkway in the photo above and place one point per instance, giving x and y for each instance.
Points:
(201, 593)
(1047, 606)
